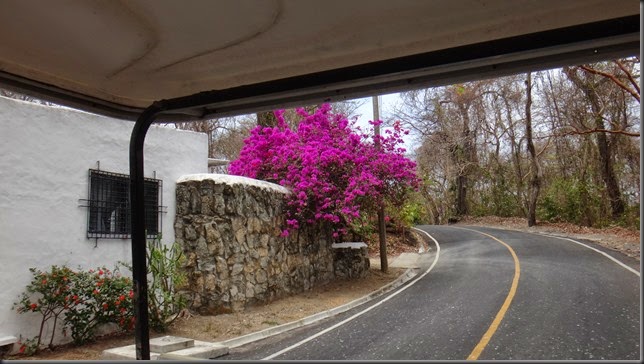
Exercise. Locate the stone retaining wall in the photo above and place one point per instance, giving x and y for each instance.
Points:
(229, 228)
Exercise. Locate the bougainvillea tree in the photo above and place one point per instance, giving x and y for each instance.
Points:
(334, 171)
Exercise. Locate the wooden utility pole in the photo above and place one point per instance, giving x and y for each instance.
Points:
(381, 210)
(535, 168)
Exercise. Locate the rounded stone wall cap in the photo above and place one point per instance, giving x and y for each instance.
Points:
(349, 244)
(232, 180)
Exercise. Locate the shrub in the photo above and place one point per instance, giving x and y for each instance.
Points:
(99, 297)
(164, 267)
(165, 277)
(48, 295)
(572, 200)
(333, 173)
(83, 299)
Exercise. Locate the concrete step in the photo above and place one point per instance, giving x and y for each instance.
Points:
(166, 344)
(197, 350)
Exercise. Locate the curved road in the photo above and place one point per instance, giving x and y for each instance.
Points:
(489, 294)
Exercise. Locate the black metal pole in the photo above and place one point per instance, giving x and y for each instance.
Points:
(137, 209)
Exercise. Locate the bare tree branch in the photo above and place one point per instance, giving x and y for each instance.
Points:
(548, 140)
(614, 79)
(628, 74)
(576, 131)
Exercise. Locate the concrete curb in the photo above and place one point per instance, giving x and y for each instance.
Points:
(248, 338)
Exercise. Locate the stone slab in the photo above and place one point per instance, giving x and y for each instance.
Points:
(166, 344)
(349, 244)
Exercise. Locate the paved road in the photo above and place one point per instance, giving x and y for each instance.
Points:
(491, 295)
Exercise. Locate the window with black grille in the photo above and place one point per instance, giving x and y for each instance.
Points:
(109, 205)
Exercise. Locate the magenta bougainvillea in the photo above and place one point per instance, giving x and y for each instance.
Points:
(335, 172)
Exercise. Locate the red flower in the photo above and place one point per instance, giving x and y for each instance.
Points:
(44, 281)
(33, 306)
(131, 293)
(96, 291)
(105, 306)
(117, 302)
(100, 272)
(22, 349)
(122, 297)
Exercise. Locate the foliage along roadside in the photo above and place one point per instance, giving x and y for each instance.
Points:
(336, 176)
(86, 300)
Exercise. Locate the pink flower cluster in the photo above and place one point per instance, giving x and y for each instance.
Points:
(334, 173)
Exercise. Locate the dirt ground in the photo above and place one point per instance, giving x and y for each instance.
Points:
(226, 326)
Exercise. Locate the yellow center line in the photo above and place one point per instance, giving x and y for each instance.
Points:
(506, 304)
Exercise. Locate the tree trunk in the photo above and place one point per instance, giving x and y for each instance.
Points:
(384, 265)
(382, 234)
(461, 195)
(515, 151)
(464, 155)
(608, 172)
(603, 146)
(266, 118)
(535, 181)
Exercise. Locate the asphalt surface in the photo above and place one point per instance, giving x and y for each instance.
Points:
(570, 303)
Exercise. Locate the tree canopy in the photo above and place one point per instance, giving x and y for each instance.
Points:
(334, 171)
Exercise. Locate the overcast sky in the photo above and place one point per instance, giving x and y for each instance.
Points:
(387, 103)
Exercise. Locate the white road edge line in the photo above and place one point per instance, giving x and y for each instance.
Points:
(582, 244)
(600, 252)
(302, 342)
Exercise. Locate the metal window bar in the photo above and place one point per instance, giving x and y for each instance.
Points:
(108, 206)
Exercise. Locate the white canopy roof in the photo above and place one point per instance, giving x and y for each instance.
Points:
(117, 57)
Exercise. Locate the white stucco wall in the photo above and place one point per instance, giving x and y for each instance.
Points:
(45, 155)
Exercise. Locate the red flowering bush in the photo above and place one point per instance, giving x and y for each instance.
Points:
(83, 300)
(333, 172)
(86, 300)
(98, 297)
(47, 294)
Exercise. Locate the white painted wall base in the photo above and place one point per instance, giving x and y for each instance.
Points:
(45, 155)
